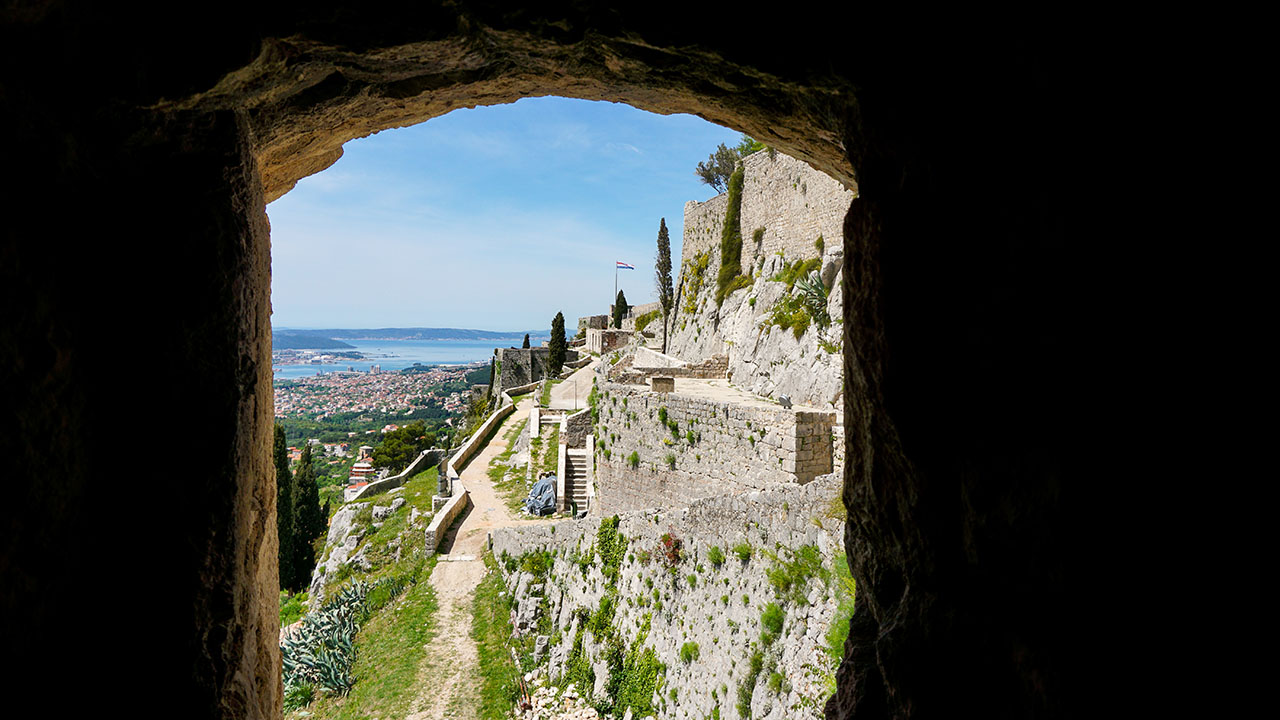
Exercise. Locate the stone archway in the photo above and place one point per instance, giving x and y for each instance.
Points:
(149, 157)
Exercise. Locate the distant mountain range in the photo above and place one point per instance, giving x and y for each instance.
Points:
(336, 335)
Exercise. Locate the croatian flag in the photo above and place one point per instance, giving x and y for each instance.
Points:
(623, 266)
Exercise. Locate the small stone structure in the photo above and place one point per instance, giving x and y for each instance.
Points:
(593, 322)
(521, 366)
(603, 341)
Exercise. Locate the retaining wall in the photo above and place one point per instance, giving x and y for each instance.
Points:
(425, 459)
(735, 448)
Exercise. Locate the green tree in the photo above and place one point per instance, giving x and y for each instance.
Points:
(309, 520)
(284, 506)
(558, 345)
(620, 309)
(666, 294)
(719, 166)
(399, 447)
(526, 340)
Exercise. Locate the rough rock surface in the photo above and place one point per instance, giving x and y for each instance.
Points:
(710, 611)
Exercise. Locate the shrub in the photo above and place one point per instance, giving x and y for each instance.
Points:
(772, 618)
(693, 580)
(633, 460)
(743, 551)
(775, 682)
(671, 461)
(672, 549)
(715, 556)
(689, 652)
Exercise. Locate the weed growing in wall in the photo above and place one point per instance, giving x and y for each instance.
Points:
(689, 652)
(743, 551)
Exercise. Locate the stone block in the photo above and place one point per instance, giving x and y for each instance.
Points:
(663, 384)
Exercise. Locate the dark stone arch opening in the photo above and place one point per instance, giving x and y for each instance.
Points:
(147, 158)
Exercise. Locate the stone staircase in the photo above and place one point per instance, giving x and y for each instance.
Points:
(575, 480)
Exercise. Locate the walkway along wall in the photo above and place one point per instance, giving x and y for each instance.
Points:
(700, 448)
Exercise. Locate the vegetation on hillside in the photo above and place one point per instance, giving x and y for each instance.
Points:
(371, 651)
(399, 447)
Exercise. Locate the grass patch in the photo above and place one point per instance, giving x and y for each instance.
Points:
(743, 551)
(389, 649)
(514, 490)
(292, 607)
(491, 629)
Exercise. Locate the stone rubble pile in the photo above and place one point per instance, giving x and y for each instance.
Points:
(549, 704)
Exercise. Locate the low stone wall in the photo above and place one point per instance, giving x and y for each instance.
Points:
(425, 459)
(703, 620)
(576, 428)
(480, 437)
(734, 448)
(444, 518)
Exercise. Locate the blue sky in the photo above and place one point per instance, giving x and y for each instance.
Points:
(491, 218)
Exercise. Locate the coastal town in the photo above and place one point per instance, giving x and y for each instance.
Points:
(320, 396)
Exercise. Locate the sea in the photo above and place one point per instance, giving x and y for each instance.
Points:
(397, 355)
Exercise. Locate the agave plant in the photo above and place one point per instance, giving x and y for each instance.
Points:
(321, 651)
(814, 294)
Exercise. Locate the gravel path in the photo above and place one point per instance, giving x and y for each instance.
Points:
(449, 674)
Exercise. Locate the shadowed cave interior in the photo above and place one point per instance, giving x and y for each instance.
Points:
(138, 521)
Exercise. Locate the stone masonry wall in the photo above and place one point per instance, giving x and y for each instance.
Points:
(577, 428)
(521, 366)
(735, 448)
(703, 620)
(792, 202)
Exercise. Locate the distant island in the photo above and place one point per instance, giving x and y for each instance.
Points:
(308, 341)
(332, 335)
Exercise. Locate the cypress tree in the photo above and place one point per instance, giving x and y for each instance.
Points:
(620, 309)
(284, 507)
(526, 340)
(558, 344)
(308, 522)
(666, 294)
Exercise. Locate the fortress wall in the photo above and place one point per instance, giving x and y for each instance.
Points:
(793, 203)
(736, 448)
(721, 610)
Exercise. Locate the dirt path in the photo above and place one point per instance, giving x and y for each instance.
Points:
(449, 674)
(572, 393)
